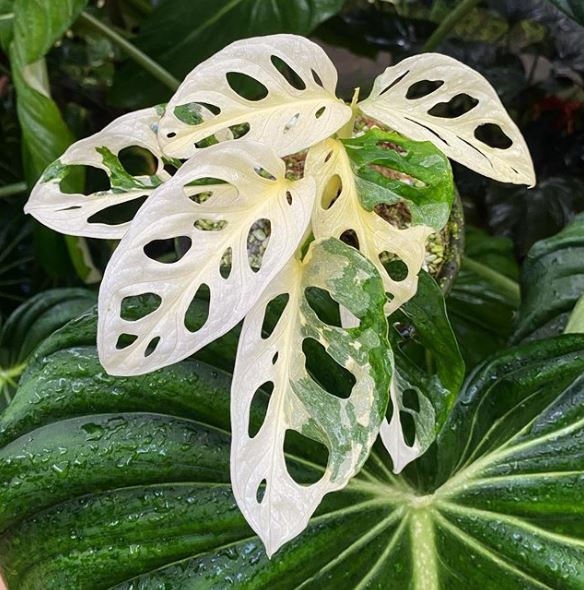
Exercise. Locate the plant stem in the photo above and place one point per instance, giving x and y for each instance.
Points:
(13, 189)
(132, 51)
(463, 8)
(506, 285)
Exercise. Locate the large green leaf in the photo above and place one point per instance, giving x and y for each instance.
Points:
(552, 282)
(124, 483)
(179, 35)
(484, 297)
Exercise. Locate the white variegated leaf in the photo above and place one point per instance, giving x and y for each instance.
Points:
(289, 118)
(347, 426)
(457, 136)
(329, 164)
(213, 203)
(71, 213)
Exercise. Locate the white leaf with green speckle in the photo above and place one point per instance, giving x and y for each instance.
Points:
(289, 117)
(347, 426)
(71, 213)
(408, 97)
(212, 205)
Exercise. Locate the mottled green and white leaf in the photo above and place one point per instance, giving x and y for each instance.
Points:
(347, 427)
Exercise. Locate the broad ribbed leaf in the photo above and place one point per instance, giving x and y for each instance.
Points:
(123, 483)
(178, 37)
(346, 425)
(76, 213)
(408, 97)
(552, 282)
(290, 116)
(213, 205)
(338, 209)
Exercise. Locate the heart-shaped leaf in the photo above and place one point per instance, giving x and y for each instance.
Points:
(213, 206)
(79, 214)
(288, 114)
(338, 210)
(123, 483)
(408, 97)
(346, 423)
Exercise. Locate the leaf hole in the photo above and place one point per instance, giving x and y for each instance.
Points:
(226, 263)
(394, 83)
(118, 214)
(275, 358)
(410, 400)
(138, 161)
(408, 425)
(429, 129)
(326, 371)
(96, 180)
(323, 305)
(349, 237)
(423, 88)
(169, 250)
(272, 314)
(295, 444)
(291, 123)
(261, 491)
(331, 192)
(246, 86)
(197, 315)
(210, 224)
(328, 157)
(316, 78)
(493, 136)
(258, 239)
(152, 346)
(288, 73)
(125, 340)
(258, 407)
(192, 112)
(456, 107)
(395, 267)
(136, 307)
(263, 173)
(289, 197)
(240, 130)
(320, 112)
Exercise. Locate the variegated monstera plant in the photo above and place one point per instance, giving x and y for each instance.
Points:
(302, 169)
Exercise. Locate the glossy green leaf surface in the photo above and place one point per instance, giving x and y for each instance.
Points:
(179, 37)
(390, 169)
(123, 483)
(552, 282)
(479, 305)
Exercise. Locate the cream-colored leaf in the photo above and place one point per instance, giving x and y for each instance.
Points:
(338, 209)
(289, 118)
(399, 99)
(213, 203)
(71, 213)
(275, 504)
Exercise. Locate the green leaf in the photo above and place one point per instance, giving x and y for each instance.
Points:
(573, 8)
(480, 305)
(198, 34)
(38, 24)
(124, 483)
(391, 169)
(6, 23)
(33, 322)
(552, 282)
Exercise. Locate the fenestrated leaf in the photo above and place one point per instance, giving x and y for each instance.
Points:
(125, 485)
(247, 186)
(552, 281)
(290, 116)
(74, 213)
(338, 209)
(178, 37)
(482, 137)
(346, 427)
(429, 371)
(392, 169)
